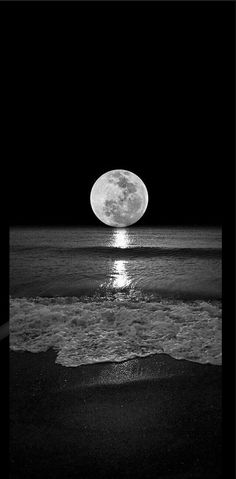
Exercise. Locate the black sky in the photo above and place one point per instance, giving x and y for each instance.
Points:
(146, 87)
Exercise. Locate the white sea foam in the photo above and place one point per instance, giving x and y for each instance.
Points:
(89, 332)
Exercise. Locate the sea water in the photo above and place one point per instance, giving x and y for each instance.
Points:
(105, 294)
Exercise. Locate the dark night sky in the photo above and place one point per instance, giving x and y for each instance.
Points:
(144, 87)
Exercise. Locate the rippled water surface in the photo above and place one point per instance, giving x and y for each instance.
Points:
(98, 294)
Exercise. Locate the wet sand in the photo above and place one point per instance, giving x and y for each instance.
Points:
(154, 417)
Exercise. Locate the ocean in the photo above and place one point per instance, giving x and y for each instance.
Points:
(104, 294)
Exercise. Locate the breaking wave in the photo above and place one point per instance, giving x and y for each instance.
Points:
(85, 332)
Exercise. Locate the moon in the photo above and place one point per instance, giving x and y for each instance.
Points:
(119, 198)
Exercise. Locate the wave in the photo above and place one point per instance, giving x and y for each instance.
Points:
(145, 251)
(175, 293)
(86, 332)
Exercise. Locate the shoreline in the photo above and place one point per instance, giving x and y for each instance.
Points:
(154, 417)
(153, 365)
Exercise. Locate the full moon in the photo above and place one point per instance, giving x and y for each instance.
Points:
(119, 198)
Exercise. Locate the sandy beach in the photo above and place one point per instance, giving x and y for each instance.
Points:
(154, 417)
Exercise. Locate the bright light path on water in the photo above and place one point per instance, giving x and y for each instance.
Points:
(120, 238)
(121, 279)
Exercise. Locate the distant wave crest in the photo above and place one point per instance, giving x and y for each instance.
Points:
(145, 251)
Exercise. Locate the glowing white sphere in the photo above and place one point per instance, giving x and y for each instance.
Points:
(119, 198)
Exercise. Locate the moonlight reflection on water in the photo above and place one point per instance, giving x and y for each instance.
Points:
(120, 238)
(120, 278)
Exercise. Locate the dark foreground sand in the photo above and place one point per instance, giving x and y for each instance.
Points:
(154, 417)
